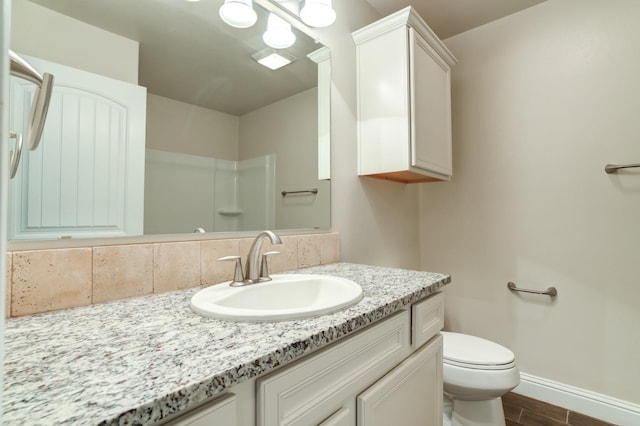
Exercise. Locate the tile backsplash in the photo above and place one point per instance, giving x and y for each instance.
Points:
(46, 280)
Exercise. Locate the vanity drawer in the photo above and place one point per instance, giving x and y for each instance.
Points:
(427, 319)
(313, 389)
(221, 411)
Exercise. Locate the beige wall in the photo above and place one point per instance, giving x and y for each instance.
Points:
(189, 129)
(542, 100)
(294, 141)
(377, 220)
(40, 32)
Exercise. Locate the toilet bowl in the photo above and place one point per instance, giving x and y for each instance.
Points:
(476, 373)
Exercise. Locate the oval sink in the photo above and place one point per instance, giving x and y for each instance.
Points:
(285, 297)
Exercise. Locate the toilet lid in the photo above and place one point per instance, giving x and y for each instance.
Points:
(475, 352)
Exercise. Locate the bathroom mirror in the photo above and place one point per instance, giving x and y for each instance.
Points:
(198, 71)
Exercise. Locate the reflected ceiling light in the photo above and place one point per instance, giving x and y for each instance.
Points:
(238, 13)
(278, 34)
(317, 13)
(272, 59)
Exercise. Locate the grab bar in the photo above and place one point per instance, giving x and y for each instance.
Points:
(15, 154)
(551, 291)
(305, 191)
(44, 86)
(613, 168)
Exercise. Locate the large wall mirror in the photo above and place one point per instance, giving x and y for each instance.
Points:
(223, 136)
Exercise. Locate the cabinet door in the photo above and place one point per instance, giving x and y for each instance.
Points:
(410, 395)
(314, 389)
(345, 416)
(383, 103)
(430, 108)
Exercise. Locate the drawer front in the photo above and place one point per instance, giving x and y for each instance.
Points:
(343, 417)
(221, 411)
(311, 390)
(427, 319)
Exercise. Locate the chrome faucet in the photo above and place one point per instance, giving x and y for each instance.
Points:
(256, 272)
(253, 258)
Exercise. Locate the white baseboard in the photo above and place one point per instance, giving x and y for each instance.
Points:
(582, 401)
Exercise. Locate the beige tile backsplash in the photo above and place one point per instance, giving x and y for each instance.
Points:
(213, 271)
(329, 249)
(308, 251)
(287, 257)
(7, 309)
(176, 266)
(120, 272)
(46, 280)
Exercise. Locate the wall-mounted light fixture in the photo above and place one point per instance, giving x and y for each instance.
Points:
(278, 34)
(317, 13)
(238, 13)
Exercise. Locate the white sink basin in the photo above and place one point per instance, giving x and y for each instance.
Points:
(286, 297)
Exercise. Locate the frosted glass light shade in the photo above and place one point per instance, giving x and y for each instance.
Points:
(278, 34)
(238, 13)
(318, 13)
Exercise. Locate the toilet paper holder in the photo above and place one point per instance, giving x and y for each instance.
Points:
(551, 291)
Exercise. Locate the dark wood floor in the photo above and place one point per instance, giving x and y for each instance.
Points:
(524, 411)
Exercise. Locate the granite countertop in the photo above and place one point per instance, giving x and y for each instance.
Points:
(140, 360)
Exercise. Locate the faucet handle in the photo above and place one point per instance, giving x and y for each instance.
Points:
(238, 276)
(264, 267)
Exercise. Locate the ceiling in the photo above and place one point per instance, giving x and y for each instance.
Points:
(450, 17)
(188, 54)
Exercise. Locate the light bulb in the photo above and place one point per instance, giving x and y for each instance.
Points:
(278, 34)
(318, 13)
(238, 13)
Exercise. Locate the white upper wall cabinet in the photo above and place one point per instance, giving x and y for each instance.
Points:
(404, 100)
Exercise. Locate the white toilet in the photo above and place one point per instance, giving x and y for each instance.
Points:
(477, 372)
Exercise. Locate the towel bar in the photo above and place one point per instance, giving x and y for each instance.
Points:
(613, 168)
(551, 291)
(305, 191)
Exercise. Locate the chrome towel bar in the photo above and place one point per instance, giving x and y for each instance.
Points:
(551, 291)
(613, 168)
(15, 154)
(44, 86)
(305, 191)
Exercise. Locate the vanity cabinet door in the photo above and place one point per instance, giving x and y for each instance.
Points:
(410, 395)
(322, 388)
(345, 416)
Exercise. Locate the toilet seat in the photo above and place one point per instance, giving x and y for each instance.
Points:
(475, 353)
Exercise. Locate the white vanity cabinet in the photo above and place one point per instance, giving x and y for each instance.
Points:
(389, 373)
(380, 376)
(404, 100)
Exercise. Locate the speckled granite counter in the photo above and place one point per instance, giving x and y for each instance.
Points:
(140, 360)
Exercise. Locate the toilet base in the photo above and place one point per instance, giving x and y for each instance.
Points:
(478, 413)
